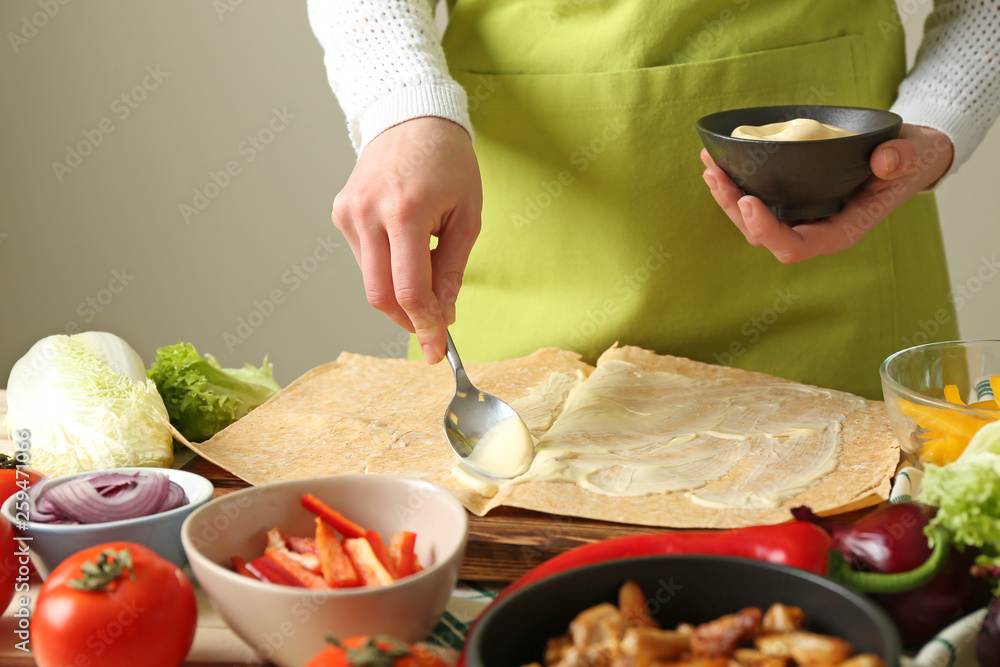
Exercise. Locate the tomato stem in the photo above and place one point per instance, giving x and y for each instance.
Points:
(377, 651)
(100, 574)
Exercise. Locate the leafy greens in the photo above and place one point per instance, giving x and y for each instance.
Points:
(202, 398)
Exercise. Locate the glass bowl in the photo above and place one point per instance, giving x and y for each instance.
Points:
(913, 385)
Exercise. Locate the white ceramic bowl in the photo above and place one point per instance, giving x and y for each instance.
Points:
(287, 625)
(51, 544)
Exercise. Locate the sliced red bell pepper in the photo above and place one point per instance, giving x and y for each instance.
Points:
(336, 566)
(240, 567)
(337, 521)
(401, 553)
(381, 552)
(283, 559)
(277, 541)
(301, 545)
(265, 569)
(372, 572)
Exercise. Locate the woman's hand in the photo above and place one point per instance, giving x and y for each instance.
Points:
(416, 180)
(917, 159)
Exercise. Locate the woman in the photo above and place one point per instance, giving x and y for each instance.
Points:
(595, 228)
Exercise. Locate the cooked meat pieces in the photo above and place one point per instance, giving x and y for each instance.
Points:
(806, 648)
(724, 634)
(632, 603)
(783, 618)
(598, 625)
(655, 644)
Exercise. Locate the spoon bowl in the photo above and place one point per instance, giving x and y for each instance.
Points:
(472, 414)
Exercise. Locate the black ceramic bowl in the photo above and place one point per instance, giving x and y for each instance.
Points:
(798, 179)
(679, 589)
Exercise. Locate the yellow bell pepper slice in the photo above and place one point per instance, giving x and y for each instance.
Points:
(940, 419)
(986, 405)
(951, 394)
(995, 386)
(943, 451)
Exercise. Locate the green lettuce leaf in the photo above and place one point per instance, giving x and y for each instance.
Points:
(202, 398)
(967, 494)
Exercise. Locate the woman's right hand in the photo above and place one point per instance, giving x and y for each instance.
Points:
(416, 180)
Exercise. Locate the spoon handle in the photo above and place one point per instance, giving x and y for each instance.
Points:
(461, 378)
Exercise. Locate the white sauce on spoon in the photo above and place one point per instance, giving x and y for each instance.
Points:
(505, 450)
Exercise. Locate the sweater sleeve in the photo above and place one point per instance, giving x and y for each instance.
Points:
(385, 64)
(954, 86)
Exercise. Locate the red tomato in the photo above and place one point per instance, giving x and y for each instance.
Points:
(13, 480)
(365, 649)
(146, 619)
(8, 563)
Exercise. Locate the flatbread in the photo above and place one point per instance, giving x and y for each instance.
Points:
(366, 414)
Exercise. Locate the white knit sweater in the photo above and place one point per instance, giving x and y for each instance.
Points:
(385, 65)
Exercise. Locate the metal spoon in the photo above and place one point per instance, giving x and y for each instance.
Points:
(471, 414)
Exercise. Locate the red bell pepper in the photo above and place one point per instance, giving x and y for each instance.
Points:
(337, 521)
(283, 559)
(798, 544)
(401, 552)
(240, 567)
(372, 572)
(267, 570)
(337, 568)
(301, 545)
(381, 552)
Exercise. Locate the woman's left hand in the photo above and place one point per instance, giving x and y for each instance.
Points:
(901, 168)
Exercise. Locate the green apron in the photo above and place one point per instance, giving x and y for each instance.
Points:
(597, 226)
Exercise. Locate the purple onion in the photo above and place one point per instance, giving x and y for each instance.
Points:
(103, 497)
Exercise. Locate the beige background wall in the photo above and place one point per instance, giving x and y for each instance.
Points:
(226, 111)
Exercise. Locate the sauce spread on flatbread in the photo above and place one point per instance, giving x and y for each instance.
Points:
(626, 431)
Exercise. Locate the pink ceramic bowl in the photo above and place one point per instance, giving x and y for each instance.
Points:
(287, 625)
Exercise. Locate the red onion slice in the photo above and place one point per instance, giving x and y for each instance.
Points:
(107, 497)
(40, 509)
(175, 498)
